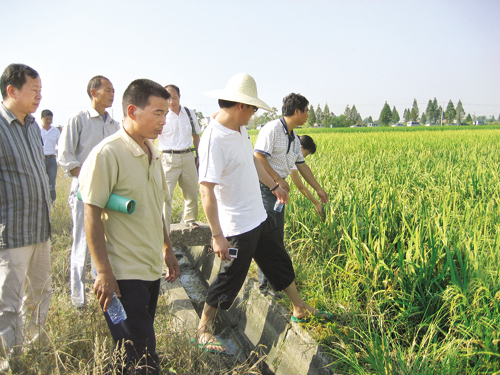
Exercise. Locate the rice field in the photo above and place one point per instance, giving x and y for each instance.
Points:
(406, 256)
(407, 253)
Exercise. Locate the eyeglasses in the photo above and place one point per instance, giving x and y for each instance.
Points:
(255, 109)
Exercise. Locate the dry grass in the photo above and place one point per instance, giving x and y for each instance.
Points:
(78, 342)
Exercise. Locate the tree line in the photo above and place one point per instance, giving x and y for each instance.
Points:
(433, 114)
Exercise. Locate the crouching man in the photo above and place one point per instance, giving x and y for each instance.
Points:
(128, 250)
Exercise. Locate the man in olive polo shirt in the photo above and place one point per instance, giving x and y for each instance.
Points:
(128, 249)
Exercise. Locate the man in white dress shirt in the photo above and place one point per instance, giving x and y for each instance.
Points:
(84, 131)
(50, 137)
(179, 135)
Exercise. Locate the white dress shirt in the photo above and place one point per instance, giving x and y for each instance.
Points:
(50, 138)
(177, 132)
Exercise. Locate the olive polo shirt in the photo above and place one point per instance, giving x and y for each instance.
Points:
(133, 242)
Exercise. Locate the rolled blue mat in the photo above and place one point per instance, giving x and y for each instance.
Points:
(118, 203)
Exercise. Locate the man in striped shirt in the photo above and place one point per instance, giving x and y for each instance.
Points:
(25, 271)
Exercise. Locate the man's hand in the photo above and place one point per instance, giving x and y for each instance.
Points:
(75, 171)
(173, 269)
(282, 182)
(220, 245)
(319, 208)
(104, 286)
(281, 194)
(322, 195)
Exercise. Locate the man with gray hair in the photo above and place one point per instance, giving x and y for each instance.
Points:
(25, 271)
(83, 132)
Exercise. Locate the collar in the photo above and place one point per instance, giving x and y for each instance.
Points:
(10, 116)
(285, 129)
(135, 148)
(223, 129)
(94, 113)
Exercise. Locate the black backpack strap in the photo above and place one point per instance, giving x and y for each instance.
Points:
(193, 132)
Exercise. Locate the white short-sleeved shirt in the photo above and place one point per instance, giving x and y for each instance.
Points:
(50, 138)
(177, 131)
(281, 149)
(226, 159)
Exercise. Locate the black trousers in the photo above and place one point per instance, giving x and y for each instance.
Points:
(139, 299)
(265, 245)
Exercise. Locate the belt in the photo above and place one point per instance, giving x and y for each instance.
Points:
(50, 156)
(176, 151)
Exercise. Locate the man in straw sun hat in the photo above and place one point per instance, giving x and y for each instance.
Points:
(229, 176)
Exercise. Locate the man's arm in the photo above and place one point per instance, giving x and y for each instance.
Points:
(196, 142)
(270, 170)
(267, 180)
(67, 145)
(209, 201)
(305, 191)
(306, 172)
(173, 269)
(105, 283)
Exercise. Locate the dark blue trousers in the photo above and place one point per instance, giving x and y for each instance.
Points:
(139, 299)
(277, 219)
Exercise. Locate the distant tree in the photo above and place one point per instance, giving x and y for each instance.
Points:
(395, 115)
(436, 116)
(312, 116)
(347, 113)
(327, 116)
(369, 120)
(423, 119)
(468, 119)
(414, 111)
(450, 112)
(440, 114)
(340, 122)
(431, 110)
(319, 114)
(355, 116)
(406, 115)
(199, 115)
(385, 114)
(267, 116)
(460, 113)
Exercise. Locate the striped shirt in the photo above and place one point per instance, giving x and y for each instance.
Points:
(281, 149)
(24, 185)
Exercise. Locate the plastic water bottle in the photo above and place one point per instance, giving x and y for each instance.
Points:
(116, 311)
(278, 207)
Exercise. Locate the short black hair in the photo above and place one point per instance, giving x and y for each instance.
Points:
(15, 75)
(308, 144)
(47, 112)
(174, 87)
(226, 103)
(95, 83)
(293, 102)
(139, 91)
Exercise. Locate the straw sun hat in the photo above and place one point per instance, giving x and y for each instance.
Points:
(241, 88)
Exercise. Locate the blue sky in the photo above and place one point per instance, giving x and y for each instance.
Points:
(336, 52)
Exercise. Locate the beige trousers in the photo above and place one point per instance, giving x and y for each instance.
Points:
(25, 290)
(181, 168)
